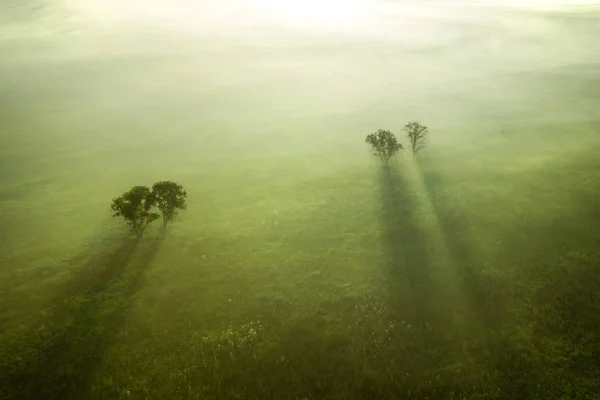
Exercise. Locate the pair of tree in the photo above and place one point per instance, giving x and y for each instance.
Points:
(136, 205)
(385, 144)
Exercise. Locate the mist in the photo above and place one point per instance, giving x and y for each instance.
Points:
(302, 266)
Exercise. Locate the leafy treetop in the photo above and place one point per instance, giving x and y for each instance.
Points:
(169, 197)
(134, 207)
(417, 135)
(384, 144)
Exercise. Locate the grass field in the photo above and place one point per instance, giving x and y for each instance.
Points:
(302, 268)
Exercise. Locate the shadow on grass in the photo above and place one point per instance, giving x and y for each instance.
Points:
(59, 359)
(439, 342)
(417, 298)
(483, 294)
(495, 341)
(410, 267)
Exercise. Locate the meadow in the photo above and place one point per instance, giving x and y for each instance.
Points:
(303, 268)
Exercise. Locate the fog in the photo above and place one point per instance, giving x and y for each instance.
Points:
(293, 230)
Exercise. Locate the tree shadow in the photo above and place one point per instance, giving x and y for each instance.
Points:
(482, 292)
(58, 361)
(409, 261)
(493, 339)
(437, 340)
(416, 296)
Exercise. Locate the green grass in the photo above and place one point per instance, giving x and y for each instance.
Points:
(443, 277)
(302, 268)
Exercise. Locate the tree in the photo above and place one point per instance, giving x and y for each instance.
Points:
(134, 207)
(169, 197)
(417, 135)
(384, 143)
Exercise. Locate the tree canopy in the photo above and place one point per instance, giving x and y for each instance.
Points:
(134, 207)
(417, 135)
(384, 144)
(169, 197)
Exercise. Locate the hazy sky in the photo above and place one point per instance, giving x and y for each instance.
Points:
(329, 15)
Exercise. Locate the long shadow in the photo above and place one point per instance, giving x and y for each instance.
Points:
(420, 296)
(483, 293)
(58, 362)
(486, 299)
(415, 294)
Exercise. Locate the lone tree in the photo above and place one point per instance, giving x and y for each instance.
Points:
(134, 207)
(168, 197)
(417, 135)
(384, 144)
